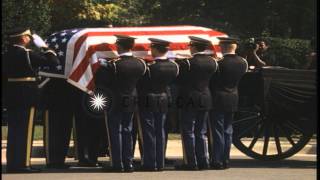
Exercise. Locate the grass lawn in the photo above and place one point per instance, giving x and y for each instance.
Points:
(38, 133)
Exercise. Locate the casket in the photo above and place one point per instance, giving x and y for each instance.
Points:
(81, 50)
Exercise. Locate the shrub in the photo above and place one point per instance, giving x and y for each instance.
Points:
(289, 53)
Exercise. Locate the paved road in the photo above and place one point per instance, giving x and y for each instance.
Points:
(243, 168)
(301, 166)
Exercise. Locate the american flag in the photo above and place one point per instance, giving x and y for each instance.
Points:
(81, 50)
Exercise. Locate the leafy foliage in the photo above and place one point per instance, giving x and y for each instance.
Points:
(288, 19)
(290, 53)
(26, 13)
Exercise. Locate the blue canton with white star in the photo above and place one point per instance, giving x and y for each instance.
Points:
(58, 42)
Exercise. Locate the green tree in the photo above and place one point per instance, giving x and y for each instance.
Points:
(92, 13)
(28, 13)
(133, 12)
(278, 18)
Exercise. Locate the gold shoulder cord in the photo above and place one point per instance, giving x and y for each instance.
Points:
(215, 60)
(189, 65)
(176, 66)
(113, 61)
(144, 64)
(246, 63)
(148, 67)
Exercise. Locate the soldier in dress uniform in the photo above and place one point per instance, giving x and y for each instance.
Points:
(59, 99)
(21, 90)
(224, 88)
(194, 99)
(88, 131)
(153, 104)
(120, 77)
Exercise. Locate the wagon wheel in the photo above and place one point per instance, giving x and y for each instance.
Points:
(265, 138)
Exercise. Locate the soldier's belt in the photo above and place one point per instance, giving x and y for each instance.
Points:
(22, 79)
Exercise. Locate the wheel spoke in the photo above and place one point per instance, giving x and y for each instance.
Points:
(286, 133)
(246, 119)
(256, 136)
(276, 139)
(249, 128)
(293, 127)
(266, 140)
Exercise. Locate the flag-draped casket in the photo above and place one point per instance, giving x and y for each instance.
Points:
(81, 50)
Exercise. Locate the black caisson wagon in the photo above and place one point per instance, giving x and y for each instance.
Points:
(278, 110)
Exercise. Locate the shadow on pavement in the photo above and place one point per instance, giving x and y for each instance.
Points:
(170, 163)
(288, 163)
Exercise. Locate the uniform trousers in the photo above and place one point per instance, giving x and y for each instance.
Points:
(221, 126)
(137, 134)
(119, 127)
(153, 138)
(57, 132)
(20, 134)
(194, 129)
(59, 98)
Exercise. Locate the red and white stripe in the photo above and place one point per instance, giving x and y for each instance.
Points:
(86, 47)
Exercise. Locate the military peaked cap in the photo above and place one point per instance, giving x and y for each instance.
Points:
(228, 40)
(199, 41)
(124, 38)
(159, 42)
(21, 31)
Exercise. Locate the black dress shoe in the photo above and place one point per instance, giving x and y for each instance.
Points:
(203, 166)
(226, 164)
(113, 169)
(148, 169)
(58, 166)
(159, 169)
(23, 170)
(217, 166)
(186, 167)
(88, 164)
(128, 168)
(169, 161)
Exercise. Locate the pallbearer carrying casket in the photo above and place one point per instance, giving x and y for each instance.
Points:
(194, 99)
(153, 104)
(224, 89)
(120, 77)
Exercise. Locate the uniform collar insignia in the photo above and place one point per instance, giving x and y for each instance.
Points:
(20, 46)
(126, 54)
(17, 45)
(198, 53)
(161, 58)
(228, 54)
(150, 63)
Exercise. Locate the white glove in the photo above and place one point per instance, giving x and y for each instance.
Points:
(38, 41)
(103, 62)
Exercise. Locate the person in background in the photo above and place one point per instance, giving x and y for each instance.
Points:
(258, 54)
(59, 98)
